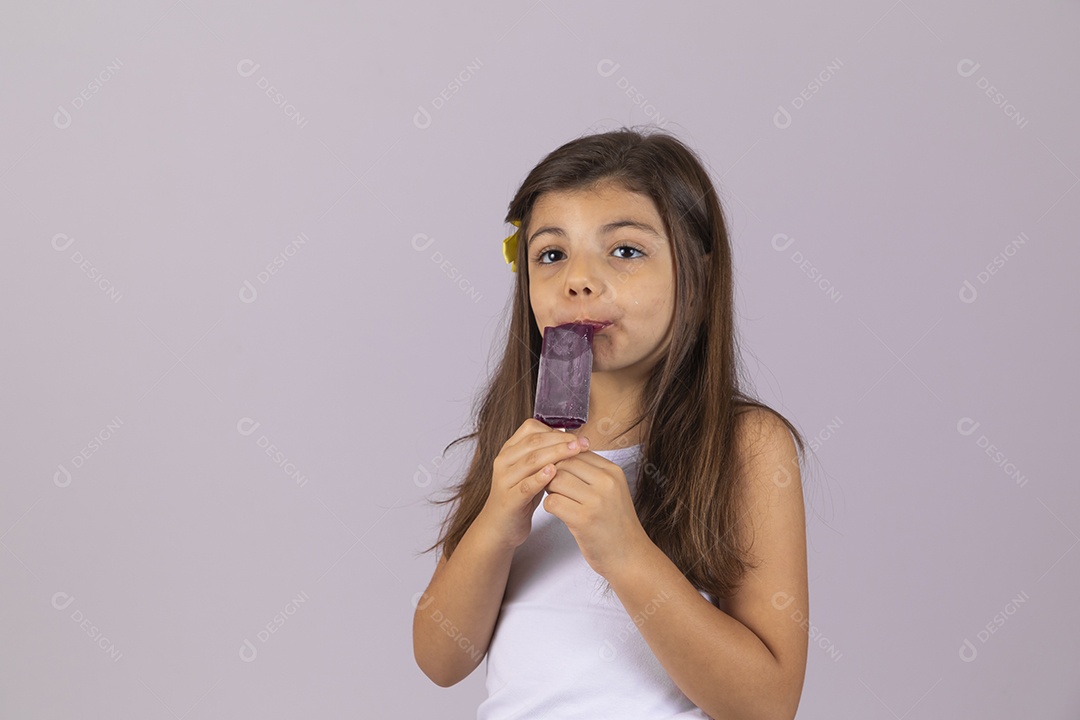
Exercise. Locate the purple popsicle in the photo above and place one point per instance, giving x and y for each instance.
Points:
(562, 384)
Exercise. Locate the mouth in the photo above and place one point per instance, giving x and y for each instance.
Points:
(597, 325)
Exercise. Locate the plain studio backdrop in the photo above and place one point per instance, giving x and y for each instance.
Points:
(254, 280)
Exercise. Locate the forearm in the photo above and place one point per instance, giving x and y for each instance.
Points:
(456, 615)
(717, 662)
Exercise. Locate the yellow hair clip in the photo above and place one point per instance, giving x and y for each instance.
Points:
(510, 247)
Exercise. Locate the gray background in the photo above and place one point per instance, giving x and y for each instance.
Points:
(253, 280)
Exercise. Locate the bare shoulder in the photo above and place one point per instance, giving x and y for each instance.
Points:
(769, 481)
(764, 442)
(439, 565)
(773, 599)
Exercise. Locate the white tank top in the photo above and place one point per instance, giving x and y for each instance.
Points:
(561, 647)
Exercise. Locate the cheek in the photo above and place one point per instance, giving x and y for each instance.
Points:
(652, 301)
(534, 298)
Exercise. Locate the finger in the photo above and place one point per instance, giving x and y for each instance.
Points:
(534, 482)
(526, 428)
(587, 467)
(593, 459)
(540, 449)
(571, 489)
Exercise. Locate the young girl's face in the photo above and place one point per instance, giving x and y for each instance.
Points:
(586, 262)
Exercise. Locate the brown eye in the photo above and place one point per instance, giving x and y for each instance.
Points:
(542, 253)
(629, 247)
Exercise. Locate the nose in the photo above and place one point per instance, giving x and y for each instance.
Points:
(581, 276)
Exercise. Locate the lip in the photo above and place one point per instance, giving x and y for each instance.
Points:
(598, 325)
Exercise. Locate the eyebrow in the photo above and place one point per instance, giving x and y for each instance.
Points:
(606, 229)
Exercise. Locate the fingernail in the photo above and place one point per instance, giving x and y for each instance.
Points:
(584, 442)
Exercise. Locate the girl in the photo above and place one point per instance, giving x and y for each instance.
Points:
(657, 498)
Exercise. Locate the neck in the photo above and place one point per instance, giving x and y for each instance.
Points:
(614, 404)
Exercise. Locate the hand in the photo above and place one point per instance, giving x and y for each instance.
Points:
(590, 494)
(523, 467)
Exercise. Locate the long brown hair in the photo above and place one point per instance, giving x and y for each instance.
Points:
(686, 497)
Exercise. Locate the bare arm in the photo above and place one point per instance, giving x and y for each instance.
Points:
(456, 615)
(455, 618)
(747, 658)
